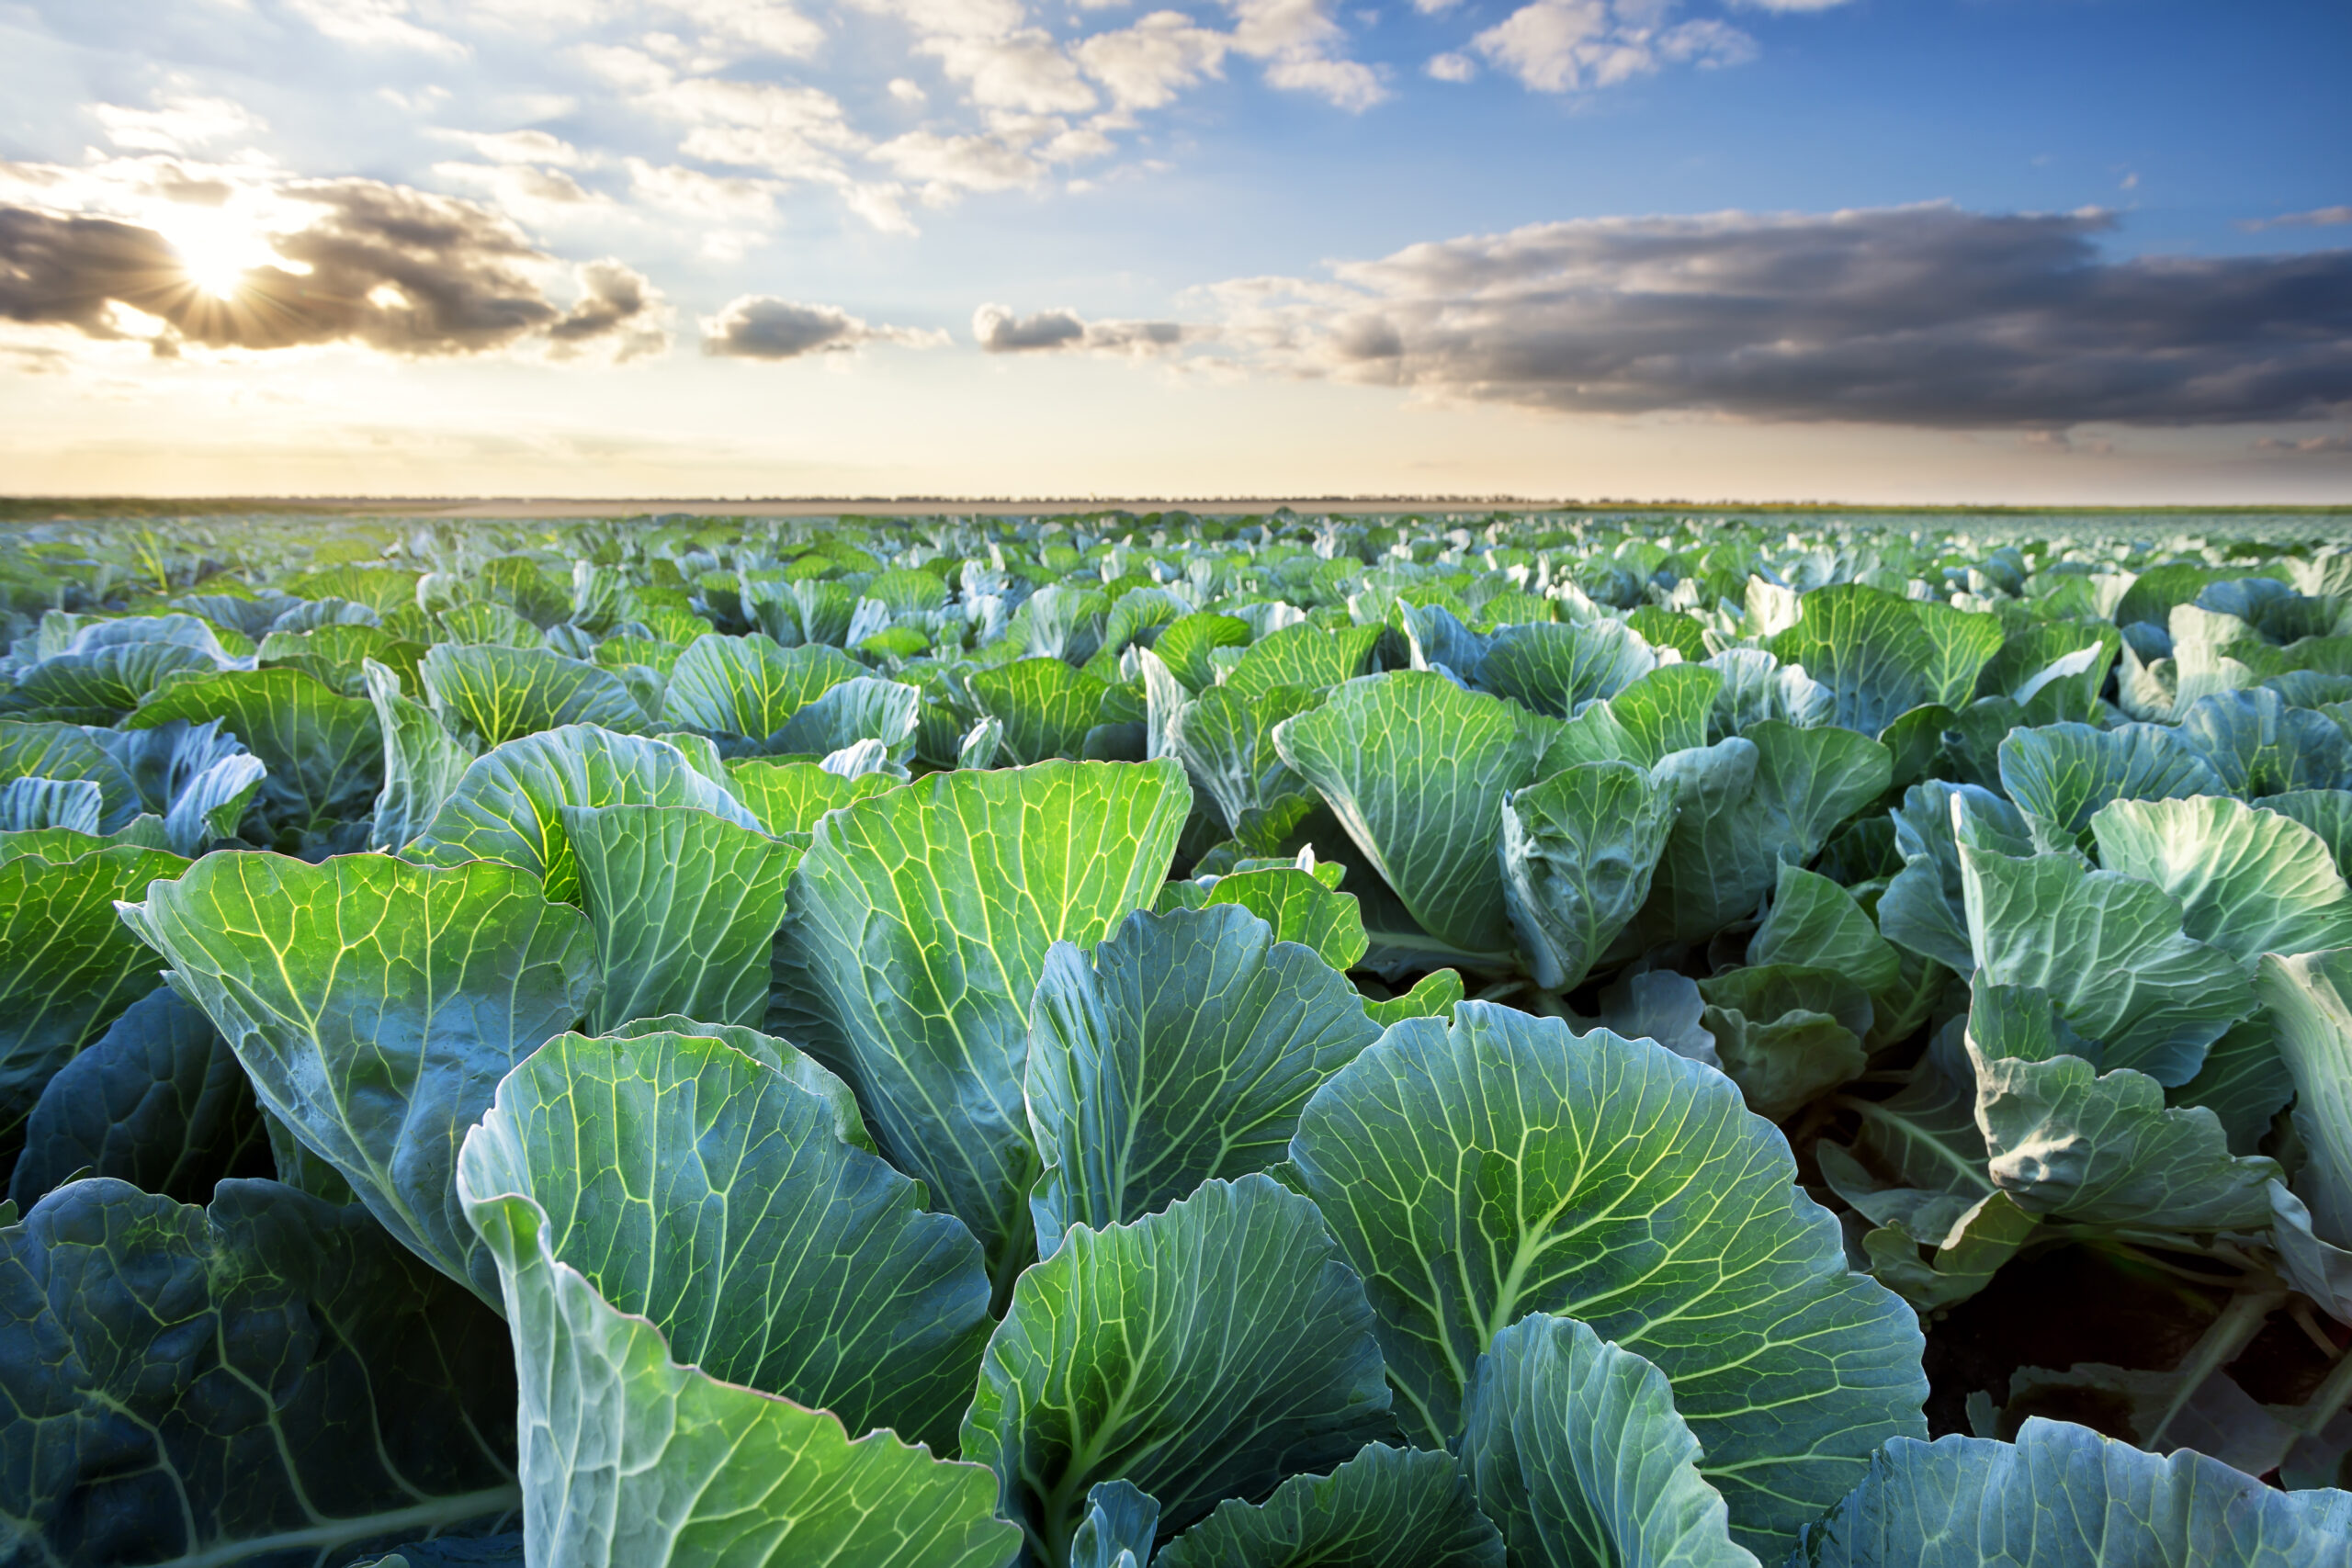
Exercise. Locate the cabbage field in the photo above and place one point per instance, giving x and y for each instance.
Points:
(1559, 1041)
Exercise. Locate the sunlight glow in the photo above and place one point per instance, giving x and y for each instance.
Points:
(218, 253)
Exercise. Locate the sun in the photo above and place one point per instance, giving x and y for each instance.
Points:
(219, 256)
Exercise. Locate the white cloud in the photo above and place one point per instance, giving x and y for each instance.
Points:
(373, 24)
(1452, 68)
(176, 124)
(540, 196)
(761, 326)
(759, 25)
(1142, 66)
(1559, 46)
(953, 18)
(690, 193)
(1299, 41)
(907, 92)
(1024, 71)
(520, 147)
(952, 163)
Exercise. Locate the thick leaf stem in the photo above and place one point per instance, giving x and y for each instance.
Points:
(2226, 1336)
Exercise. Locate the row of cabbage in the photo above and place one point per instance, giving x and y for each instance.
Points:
(1164, 1040)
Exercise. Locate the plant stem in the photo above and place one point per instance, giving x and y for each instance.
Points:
(2227, 1335)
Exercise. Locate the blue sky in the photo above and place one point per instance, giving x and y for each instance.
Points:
(2035, 250)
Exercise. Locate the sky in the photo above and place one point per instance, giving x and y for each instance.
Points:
(2057, 252)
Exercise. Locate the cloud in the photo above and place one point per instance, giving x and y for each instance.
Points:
(373, 24)
(1921, 315)
(1452, 68)
(519, 147)
(1024, 71)
(2317, 217)
(2308, 446)
(998, 330)
(761, 326)
(1560, 46)
(618, 313)
(389, 267)
(1298, 39)
(1143, 65)
(176, 124)
(690, 193)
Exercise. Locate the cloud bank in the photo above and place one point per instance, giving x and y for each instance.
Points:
(389, 267)
(1926, 315)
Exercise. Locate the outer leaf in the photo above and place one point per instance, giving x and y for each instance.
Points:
(323, 751)
(2327, 812)
(1045, 706)
(2110, 952)
(2262, 747)
(1924, 910)
(1508, 1167)
(503, 693)
(788, 797)
(629, 1460)
(1555, 668)
(1118, 1528)
(2310, 995)
(99, 684)
(1385, 1508)
(1416, 769)
(1184, 1050)
(1579, 850)
(67, 752)
(424, 764)
(2065, 1497)
(509, 807)
(2249, 882)
(920, 923)
(1433, 996)
(685, 907)
(2063, 773)
(1311, 658)
(270, 1380)
(158, 1102)
(1203, 1352)
(2068, 1141)
(1226, 740)
(30, 805)
(209, 810)
(699, 1189)
(1816, 922)
(747, 685)
(1786, 1035)
(1746, 806)
(375, 1005)
(67, 967)
(1573, 1446)
(1965, 1257)
(801, 1070)
(1881, 655)
(862, 708)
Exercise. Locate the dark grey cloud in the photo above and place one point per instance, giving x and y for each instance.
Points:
(395, 269)
(1920, 315)
(761, 326)
(999, 331)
